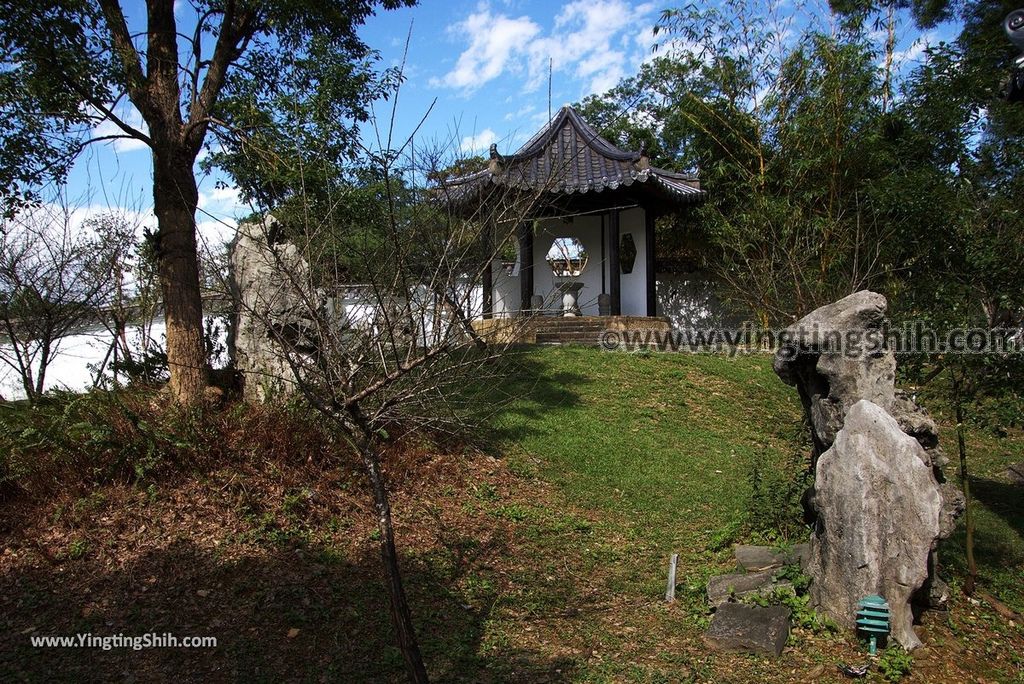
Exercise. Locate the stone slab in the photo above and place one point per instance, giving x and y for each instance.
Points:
(722, 587)
(750, 629)
(754, 558)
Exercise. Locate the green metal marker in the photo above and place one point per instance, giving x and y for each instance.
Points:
(873, 619)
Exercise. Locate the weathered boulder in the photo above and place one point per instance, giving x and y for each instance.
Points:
(753, 629)
(268, 287)
(878, 519)
(835, 356)
(1015, 473)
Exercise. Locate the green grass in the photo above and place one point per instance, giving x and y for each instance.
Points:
(547, 564)
(663, 446)
(666, 440)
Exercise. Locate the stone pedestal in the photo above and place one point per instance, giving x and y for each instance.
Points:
(570, 292)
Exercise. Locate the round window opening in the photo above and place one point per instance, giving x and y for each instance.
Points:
(567, 257)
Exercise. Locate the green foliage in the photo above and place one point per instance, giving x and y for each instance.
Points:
(894, 663)
(77, 549)
(798, 601)
(264, 65)
(775, 509)
(67, 440)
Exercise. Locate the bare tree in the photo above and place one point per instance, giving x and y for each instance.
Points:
(372, 324)
(55, 277)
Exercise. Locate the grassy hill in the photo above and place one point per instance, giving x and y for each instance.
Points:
(541, 558)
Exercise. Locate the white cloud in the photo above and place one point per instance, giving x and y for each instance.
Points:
(494, 39)
(915, 51)
(108, 127)
(221, 198)
(578, 43)
(478, 143)
(218, 214)
(214, 233)
(131, 117)
(518, 115)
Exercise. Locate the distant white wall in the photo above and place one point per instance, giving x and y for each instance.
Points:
(689, 301)
(70, 369)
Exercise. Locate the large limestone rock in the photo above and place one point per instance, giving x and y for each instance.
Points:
(836, 356)
(268, 283)
(878, 508)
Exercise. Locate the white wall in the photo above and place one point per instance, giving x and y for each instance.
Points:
(595, 277)
(69, 368)
(586, 229)
(634, 285)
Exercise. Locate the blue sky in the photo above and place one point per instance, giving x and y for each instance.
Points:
(484, 65)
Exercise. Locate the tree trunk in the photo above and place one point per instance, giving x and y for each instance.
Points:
(972, 568)
(401, 616)
(175, 198)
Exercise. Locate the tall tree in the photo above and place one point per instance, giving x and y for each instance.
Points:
(70, 65)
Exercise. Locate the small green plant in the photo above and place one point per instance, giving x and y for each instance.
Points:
(894, 664)
(513, 512)
(296, 502)
(77, 549)
(724, 536)
(486, 492)
(795, 598)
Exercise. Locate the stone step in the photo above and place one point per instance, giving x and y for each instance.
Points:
(572, 333)
(724, 588)
(753, 558)
(555, 338)
(571, 326)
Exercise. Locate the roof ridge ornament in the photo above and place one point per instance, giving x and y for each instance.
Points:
(644, 162)
(494, 165)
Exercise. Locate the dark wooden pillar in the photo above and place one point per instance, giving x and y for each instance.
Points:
(652, 282)
(488, 277)
(525, 265)
(614, 272)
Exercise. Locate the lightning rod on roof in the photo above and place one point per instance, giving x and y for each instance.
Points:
(551, 63)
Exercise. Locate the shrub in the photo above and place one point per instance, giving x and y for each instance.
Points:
(775, 509)
(894, 664)
(66, 440)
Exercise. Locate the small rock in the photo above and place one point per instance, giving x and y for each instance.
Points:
(800, 555)
(293, 632)
(752, 629)
(1015, 473)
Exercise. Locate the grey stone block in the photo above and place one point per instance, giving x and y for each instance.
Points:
(752, 629)
(754, 558)
(740, 584)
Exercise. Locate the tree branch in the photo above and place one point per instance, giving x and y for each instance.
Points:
(126, 52)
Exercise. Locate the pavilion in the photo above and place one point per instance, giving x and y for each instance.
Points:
(603, 199)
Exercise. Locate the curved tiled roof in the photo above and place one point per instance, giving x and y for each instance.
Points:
(568, 157)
